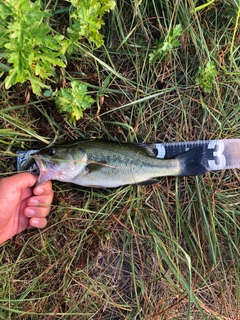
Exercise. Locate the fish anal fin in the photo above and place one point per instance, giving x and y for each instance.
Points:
(148, 182)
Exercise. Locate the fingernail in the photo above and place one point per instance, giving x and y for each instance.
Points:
(38, 190)
(30, 212)
(35, 222)
(33, 202)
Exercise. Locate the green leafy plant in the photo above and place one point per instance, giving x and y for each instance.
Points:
(28, 44)
(207, 76)
(87, 20)
(74, 100)
(166, 44)
(31, 49)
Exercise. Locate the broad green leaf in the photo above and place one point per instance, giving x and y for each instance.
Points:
(74, 100)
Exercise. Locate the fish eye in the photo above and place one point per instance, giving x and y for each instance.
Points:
(51, 152)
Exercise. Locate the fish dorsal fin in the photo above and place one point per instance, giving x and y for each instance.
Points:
(150, 149)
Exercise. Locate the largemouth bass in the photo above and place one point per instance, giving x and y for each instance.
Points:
(104, 164)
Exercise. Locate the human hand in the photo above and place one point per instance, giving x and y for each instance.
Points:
(21, 206)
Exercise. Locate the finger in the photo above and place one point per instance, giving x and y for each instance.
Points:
(37, 212)
(38, 222)
(44, 189)
(41, 200)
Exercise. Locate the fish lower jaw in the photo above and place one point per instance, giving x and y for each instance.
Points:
(46, 175)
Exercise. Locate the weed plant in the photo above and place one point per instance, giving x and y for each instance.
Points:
(168, 71)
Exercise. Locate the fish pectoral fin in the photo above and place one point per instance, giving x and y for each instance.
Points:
(94, 166)
(149, 182)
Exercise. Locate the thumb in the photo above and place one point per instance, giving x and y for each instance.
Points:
(18, 182)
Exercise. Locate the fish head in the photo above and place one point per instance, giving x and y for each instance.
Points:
(60, 163)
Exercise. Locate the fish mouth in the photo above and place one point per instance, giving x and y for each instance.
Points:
(46, 169)
(26, 161)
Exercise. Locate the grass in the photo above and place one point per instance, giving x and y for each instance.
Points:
(169, 251)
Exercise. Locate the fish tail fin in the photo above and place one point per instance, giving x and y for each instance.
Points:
(190, 162)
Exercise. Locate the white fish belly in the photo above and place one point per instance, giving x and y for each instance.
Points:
(108, 177)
